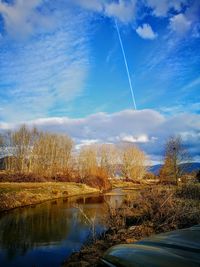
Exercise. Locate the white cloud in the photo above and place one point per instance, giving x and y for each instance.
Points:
(22, 17)
(161, 8)
(147, 128)
(143, 138)
(86, 142)
(126, 11)
(180, 24)
(123, 10)
(145, 31)
(187, 20)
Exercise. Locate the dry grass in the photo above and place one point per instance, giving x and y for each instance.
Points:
(164, 211)
(117, 183)
(98, 179)
(189, 191)
(14, 195)
(120, 184)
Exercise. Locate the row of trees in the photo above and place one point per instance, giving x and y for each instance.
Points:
(129, 162)
(32, 151)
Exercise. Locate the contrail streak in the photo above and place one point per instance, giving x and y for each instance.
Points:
(126, 64)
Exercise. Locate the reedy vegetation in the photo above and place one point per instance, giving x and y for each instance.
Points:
(153, 210)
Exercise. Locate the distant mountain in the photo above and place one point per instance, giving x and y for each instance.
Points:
(191, 167)
(155, 168)
(188, 167)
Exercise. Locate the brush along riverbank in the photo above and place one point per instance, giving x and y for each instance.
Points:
(154, 210)
(14, 195)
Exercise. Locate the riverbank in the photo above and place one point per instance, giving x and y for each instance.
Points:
(119, 183)
(14, 195)
(155, 210)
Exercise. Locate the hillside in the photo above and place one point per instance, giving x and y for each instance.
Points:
(188, 167)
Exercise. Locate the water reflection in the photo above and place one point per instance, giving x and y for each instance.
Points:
(43, 235)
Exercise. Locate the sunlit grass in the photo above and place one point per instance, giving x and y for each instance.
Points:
(14, 195)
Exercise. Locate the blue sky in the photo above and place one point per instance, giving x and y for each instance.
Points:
(61, 67)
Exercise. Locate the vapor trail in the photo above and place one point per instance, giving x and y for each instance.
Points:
(126, 65)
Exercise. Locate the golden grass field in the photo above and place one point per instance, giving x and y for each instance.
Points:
(13, 195)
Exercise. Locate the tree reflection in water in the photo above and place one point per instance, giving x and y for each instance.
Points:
(52, 226)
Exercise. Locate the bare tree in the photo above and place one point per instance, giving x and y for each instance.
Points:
(108, 156)
(176, 159)
(19, 144)
(30, 151)
(87, 161)
(51, 154)
(133, 163)
(6, 150)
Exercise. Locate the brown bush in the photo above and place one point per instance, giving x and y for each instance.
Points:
(157, 208)
(154, 211)
(22, 178)
(164, 211)
(97, 178)
(98, 181)
(150, 176)
(189, 191)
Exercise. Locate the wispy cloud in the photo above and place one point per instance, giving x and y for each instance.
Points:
(191, 84)
(168, 69)
(180, 108)
(44, 73)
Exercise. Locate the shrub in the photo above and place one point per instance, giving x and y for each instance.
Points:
(198, 176)
(189, 191)
(150, 176)
(98, 181)
(160, 210)
(21, 178)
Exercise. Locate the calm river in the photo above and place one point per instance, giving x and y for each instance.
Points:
(46, 234)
